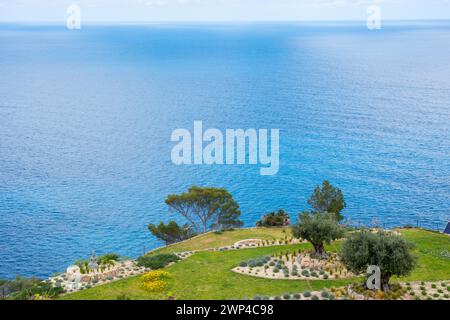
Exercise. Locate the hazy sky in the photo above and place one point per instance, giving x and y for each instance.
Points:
(221, 10)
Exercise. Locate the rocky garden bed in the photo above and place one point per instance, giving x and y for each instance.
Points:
(294, 265)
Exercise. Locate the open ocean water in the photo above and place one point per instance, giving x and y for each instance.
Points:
(86, 118)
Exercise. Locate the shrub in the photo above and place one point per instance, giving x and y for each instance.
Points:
(277, 298)
(325, 276)
(251, 263)
(157, 261)
(324, 294)
(307, 294)
(305, 273)
(274, 219)
(314, 297)
(276, 270)
(243, 264)
(286, 296)
(433, 286)
(297, 296)
(256, 297)
(27, 288)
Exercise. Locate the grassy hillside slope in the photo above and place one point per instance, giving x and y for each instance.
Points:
(208, 275)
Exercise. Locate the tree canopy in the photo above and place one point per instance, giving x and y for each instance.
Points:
(327, 199)
(318, 228)
(390, 252)
(206, 208)
(171, 232)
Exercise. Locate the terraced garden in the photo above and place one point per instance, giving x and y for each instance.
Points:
(208, 274)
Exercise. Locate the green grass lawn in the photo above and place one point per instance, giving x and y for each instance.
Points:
(208, 275)
(216, 240)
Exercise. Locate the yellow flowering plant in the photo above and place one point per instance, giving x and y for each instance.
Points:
(155, 281)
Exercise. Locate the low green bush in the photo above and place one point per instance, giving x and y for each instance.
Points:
(307, 294)
(157, 261)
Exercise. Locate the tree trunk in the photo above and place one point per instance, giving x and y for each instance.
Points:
(385, 282)
(319, 251)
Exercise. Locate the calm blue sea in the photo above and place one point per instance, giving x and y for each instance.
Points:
(86, 118)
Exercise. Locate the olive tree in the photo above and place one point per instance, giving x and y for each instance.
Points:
(390, 252)
(318, 228)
